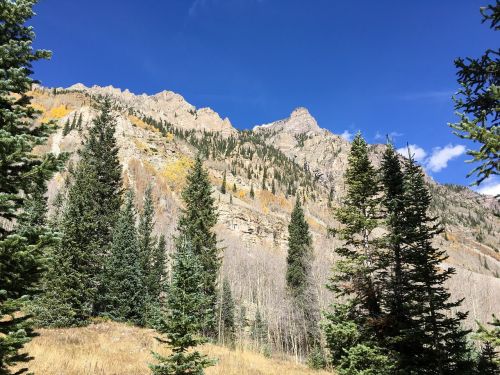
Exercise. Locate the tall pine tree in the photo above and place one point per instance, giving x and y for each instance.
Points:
(186, 315)
(355, 280)
(93, 202)
(226, 316)
(398, 325)
(355, 273)
(196, 225)
(299, 283)
(22, 174)
(124, 281)
(439, 342)
(147, 242)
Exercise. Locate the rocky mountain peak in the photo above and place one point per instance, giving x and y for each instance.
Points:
(300, 121)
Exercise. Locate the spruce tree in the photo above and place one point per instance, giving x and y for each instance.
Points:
(66, 128)
(439, 343)
(124, 281)
(477, 103)
(79, 122)
(186, 315)
(73, 122)
(299, 252)
(354, 275)
(234, 187)
(147, 247)
(196, 225)
(299, 281)
(22, 174)
(93, 202)
(156, 284)
(489, 358)
(226, 325)
(487, 363)
(223, 186)
(264, 177)
(396, 286)
(158, 273)
(252, 193)
(355, 281)
(259, 330)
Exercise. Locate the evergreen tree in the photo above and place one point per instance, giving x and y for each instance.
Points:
(362, 359)
(264, 177)
(478, 101)
(186, 316)
(223, 186)
(22, 174)
(196, 225)
(234, 187)
(487, 361)
(252, 193)
(93, 201)
(273, 188)
(156, 284)
(79, 122)
(299, 252)
(396, 286)
(73, 123)
(490, 335)
(259, 330)
(299, 281)
(489, 358)
(439, 343)
(124, 288)
(158, 275)
(66, 128)
(355, 276)
(226, 329)
(147, 244)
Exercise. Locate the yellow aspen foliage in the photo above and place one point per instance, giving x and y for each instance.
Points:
(175, 172)
(136, 121)
(169, 137)
(56, 113)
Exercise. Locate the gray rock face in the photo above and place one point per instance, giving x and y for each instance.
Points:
(299, 122)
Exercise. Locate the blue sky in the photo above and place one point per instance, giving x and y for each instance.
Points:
(382, 67)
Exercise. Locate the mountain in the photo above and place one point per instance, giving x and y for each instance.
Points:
(158, 137)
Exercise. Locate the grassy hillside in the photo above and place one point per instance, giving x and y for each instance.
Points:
(118, 349)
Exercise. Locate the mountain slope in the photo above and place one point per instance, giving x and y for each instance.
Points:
(158, 136)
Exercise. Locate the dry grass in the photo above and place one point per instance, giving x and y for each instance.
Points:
(118, 349)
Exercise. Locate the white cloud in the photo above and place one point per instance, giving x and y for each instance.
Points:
(490, 186)
(418, 152)
(347, 135)
(442, 155)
